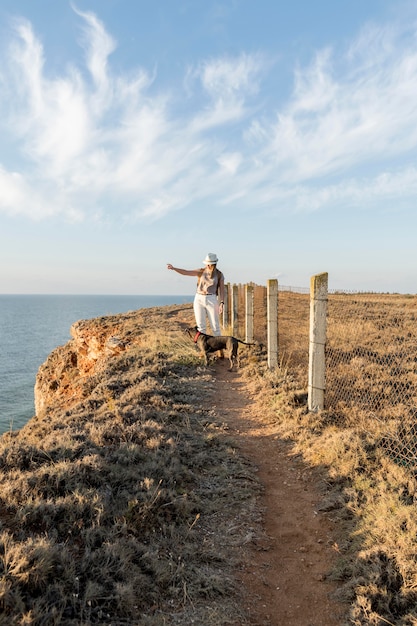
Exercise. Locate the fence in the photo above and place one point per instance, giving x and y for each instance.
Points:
(371, 368)
(365, 371)
(274, 316)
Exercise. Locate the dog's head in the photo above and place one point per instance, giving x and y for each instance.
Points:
(191, 332)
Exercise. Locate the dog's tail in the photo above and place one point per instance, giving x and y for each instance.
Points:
(246, 343)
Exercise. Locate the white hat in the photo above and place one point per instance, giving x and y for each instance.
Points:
(211, 259)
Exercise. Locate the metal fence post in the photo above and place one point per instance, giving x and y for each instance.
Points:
(272, 321)
(318, 325)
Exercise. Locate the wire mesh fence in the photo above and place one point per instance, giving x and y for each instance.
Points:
(293, 324)
(293, 330)
(259, 308)
(370, 359)
(371, 368)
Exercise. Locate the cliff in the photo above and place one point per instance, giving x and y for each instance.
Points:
(71, 370)
(60, 379)
(118, 497)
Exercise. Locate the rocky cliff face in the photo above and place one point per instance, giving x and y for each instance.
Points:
(61, 379)
(93, 341)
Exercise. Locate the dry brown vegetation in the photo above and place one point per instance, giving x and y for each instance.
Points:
(124, 503)
(127, 503)
(370, 500)
(366, 441)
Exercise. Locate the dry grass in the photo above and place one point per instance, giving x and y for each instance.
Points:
(119, 506)
(127, 503)
(364, 446)
(369, 499)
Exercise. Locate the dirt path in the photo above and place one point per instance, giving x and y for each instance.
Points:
(285, 574)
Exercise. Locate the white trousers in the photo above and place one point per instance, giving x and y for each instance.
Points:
(207, 306)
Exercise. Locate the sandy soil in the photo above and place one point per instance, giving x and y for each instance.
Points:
(284, 575)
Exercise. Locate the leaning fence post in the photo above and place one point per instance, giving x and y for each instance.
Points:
(235, 309)
(272, 322)
(249, 313)
(318, 323)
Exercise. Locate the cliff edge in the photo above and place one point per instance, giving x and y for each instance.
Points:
(123, 500)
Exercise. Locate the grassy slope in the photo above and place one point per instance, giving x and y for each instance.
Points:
(119, 505)
(112, 504)
(369, 497)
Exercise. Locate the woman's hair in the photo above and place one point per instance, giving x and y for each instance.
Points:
(213, 269)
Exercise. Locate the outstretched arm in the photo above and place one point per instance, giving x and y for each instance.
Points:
(183, 272)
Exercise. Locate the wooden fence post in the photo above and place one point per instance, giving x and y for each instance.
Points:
(249, 312)
(235, 310)
(272, 322)
(318, 324)
(226, 305)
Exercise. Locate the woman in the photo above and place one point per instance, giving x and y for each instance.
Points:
(210, 284)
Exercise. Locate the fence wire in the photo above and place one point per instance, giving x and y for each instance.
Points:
(293, 324)
(371, 368)
(293, 329)
(259, 309)
(371, 359)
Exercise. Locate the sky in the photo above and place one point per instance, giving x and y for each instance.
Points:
(281, 136)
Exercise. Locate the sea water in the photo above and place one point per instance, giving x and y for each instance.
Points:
(31, 326)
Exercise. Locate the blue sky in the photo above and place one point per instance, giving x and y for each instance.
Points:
(280, 135)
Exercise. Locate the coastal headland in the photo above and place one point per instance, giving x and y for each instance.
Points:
(150, 489)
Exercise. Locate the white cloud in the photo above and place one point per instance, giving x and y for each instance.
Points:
(13, 189)
(230, 162)
(227, 82)
(346, 117)
(50, 116)
(19, 196)
(99, 46)
(227, 79)
(92, 143)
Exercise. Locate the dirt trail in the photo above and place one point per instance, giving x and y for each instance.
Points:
(284, 574)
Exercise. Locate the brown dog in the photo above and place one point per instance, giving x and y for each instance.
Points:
(209, 344)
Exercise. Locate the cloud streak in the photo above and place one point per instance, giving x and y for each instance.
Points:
(89, 140)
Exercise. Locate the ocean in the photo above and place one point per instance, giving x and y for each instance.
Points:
(31, 326)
